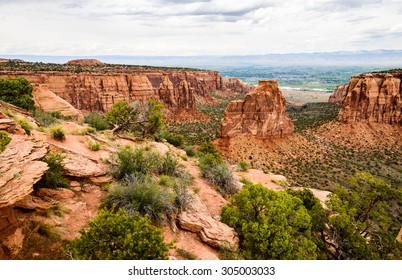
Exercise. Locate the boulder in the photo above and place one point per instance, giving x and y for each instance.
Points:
(56, 194)
(197, 219)
(14, 241)
(21, 167)
(262, 114)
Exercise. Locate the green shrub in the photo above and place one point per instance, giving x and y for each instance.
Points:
(190, 151)
(139, 193)
(96, 120)
(48, 231)
(53, 177)
(170, 166)
(4, 140)
(57, 133)
(94, 146)
(176, 140)
(186, 254)
(128, 161)
(217, 173)
(166, 180)
(209, 148)
(25, 125)
(119, 236)
(47, 118)
(243, 165)
(18, 92)
(271, 225)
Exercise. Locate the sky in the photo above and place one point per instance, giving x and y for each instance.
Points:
(197, 27)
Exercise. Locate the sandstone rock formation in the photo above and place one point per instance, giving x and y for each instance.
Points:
(338, 94)
(84, 62)
(93, 91)
(78, 165)
(262, 114)
(21, 168)
(198, 220)
(46, 100)
(373, 98)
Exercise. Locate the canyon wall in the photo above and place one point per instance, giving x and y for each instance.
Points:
(373, 98)
(99, 91)
(262, 114)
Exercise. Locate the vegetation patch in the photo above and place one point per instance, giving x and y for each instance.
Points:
(18, 92)
(53, 177)
(119, 236)
(4, 140)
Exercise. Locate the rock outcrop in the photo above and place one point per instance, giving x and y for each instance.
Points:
(47, 100)
(84, 62)
(338, 94)
(20, 168)
(197, 219)
(375, 98)
(262, 114)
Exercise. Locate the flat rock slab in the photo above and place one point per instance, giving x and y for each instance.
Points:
(20, 168)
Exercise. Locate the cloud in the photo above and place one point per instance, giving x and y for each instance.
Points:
(345, 5)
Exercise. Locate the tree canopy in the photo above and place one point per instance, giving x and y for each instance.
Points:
(364, 220)
(271, 225)
(143, 118)
(18, 92)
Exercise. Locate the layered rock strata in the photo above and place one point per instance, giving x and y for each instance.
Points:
(98, 92)
(373, 98)
(21, 167)
(262, 114)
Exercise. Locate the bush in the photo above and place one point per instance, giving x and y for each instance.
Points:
(25, 125)
(94, 146)
(170, 166)
(18, 92)
(209, 148)
(271, 225)
(190, 151)
(217, 173)
(57, 133)
(53, 177)
(243, 165)
(119, 236)
(128, 161)
(141, 194)
(176, 140)
(4, 140)
(96, 120)
(47, 118)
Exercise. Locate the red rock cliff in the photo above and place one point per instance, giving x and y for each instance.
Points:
(98, 92)
(373, 98)
(262, 114)
(338, 94)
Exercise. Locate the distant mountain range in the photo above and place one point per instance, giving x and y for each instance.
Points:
(384, 58)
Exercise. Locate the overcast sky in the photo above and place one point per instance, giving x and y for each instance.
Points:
(197, 27)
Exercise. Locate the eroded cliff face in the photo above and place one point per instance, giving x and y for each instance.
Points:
(338, 93)
(373, 98)
(262, 114)
(98, 92)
